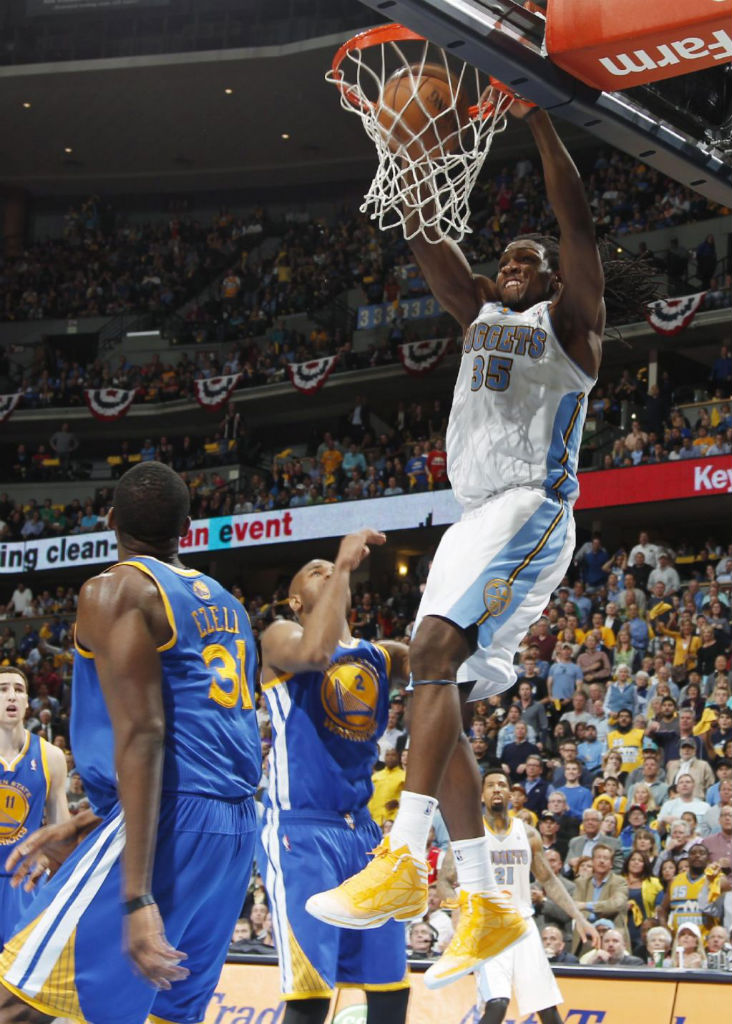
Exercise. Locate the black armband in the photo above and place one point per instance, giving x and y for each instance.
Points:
(146, 900)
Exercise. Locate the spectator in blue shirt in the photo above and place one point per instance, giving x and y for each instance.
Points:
(620, 694)
(638, 628)
(354, 459)
(590, 750)
(577, 796)
(147, 452)
(564, 677)
(591, 565)
(582, 603)
(416, 470)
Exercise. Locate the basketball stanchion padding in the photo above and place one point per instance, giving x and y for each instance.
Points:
(617, 44)
(432, 118)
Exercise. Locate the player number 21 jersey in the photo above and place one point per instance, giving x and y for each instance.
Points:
(511, 861)
(518, 408)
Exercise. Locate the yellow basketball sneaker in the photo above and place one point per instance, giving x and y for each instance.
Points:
(487, 926)
(393, 884)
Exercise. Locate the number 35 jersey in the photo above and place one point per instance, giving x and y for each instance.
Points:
(518, 408)
(212, 745)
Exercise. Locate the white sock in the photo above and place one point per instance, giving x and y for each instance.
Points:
(473, 863)
(413, 822)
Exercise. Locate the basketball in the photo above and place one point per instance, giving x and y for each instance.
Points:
(421, 110)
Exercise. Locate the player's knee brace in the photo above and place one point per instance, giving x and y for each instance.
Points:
(495, 1011)
(387, 1007)
(306, 1011)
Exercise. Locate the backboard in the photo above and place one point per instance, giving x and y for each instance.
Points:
(503, 39)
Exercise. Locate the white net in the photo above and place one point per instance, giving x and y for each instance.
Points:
(430, 153)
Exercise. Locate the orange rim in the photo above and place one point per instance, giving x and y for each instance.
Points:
(392, 33)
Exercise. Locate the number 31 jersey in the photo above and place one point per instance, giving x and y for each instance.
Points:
(518, 408)
(212, 745)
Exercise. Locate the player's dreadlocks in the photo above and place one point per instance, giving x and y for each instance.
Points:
(630, 283)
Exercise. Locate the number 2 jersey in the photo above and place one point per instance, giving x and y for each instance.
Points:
(212, 745)
(518, 408)
(324, 731)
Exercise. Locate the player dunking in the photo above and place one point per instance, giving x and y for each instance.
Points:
(328, 697)
(516, 852)
(530, 355)
(32, 785)
(166, 740)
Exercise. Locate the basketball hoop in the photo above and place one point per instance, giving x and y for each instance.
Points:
(429, 156)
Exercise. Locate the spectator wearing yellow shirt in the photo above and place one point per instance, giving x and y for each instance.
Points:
(627, 740)
(604, 634)
(330, 461)
(388, 785)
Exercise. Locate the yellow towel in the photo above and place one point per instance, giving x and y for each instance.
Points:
(705, 723)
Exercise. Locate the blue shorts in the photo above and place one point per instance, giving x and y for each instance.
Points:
(66, 957)
(308, 852)
(13, 904)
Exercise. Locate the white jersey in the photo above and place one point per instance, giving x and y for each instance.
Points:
(518, 408)
(511, 861)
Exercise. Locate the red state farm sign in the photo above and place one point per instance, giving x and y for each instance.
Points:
(691, 478)
(617, 44)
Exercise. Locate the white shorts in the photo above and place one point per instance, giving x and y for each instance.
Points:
(497, 568)
(524, 969)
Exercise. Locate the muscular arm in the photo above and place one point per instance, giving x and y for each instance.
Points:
(121, 620)
(579, 313)
(555, 890)
(57, 807)
(290, 647)
(451, 280)
(399, 654)
(445, 268)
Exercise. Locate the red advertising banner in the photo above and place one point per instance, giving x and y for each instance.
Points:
(688, 478)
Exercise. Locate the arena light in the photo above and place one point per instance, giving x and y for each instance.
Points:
(26, 105)
(68, 149)
(285, 136)
(229, 92)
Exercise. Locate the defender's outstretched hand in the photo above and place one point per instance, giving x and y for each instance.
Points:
(355, 547)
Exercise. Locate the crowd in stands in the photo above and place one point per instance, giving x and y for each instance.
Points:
(616, 739)
(626, 196)
(357, 463)
(105, 265)
(102, 268)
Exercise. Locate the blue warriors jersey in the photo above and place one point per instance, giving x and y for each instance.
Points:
(212, 745)
(324, 730)
(24, 788)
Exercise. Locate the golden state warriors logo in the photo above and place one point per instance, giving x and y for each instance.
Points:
(14, 807)
(496, 597)
(201, 590)
(350, 693)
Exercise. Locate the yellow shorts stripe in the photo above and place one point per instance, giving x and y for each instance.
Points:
(290, 997)
(164, 1020)
(38, 1004)
(392, 986)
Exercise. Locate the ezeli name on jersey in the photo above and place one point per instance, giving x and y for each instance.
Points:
(707, 478)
